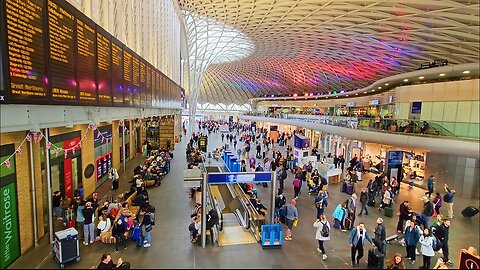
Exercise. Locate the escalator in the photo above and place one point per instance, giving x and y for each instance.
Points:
(239, 221)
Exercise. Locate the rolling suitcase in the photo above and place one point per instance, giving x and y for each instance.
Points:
(115, 185)
(375, 259)
(349, 188)
(470, 211)
(343, 187)
(388, 211)
(70, 219)
(371, 201)
(348, 223)
(336, 223)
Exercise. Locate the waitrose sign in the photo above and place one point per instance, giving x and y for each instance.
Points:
(9, 234)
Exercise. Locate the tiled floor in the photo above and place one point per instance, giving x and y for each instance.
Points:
(171, 247)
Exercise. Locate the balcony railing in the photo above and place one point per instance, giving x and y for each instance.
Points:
(451, 130)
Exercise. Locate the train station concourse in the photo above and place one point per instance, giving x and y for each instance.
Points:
(275, 134)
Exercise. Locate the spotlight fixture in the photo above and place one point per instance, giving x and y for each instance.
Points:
(441, 74)
(386, 84)
(421, 77)
(295, 95)
(373, 90)
(365, 92)
(356, 94)
(379, 87)
(466, 72)
(405, 80)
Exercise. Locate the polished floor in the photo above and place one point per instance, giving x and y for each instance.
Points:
(171, 247)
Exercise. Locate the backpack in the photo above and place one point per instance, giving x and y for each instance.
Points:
(325, 230)
(319, 204)
(437, 244)
(283, 214)
(136, 233)
(152, 218)
(296, 183)
(446, 197)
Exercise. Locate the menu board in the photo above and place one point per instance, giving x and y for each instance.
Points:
(104, 57)
(117, 72)
(25, 49)
(135, 81)
(127, 77)
(86, 54)
(148, 87)
(61, 25)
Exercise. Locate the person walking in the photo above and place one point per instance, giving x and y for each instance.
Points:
(430, 183)
(427, 241)
(281, 175)
(322, 234)
(448, 198)
(442, 234)
(427, 211)
(88, 228)
(147, 225)
(437, 202)
(351, 210)
(292, 214)
(380, 239)
(356, 239)
(412, 236)
(280, 201)
(320, 203)
(296, 187)
(113, 177)
(403, 214)
(339, 216)
(363, 202)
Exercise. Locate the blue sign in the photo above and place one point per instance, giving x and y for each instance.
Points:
(395, 157)
(301, 142)
(231, 178)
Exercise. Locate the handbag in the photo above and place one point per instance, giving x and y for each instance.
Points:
(116, 174)
(295, 222)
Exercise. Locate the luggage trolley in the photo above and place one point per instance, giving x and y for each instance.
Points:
(66, 247)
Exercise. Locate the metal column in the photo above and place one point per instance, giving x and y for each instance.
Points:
(34, 196)
(49, 183)
(123, 144)
(204, 209)
(272, 202)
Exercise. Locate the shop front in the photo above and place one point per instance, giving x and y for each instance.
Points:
(103, 153)
(153, 132)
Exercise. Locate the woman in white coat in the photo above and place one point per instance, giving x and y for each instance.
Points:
(427, 241)
(322, 234)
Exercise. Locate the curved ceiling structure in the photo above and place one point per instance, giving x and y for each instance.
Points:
(305, 46)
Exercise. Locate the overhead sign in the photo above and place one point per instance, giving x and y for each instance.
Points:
(395, 157)
(351, 104)
(374, 102)
(231, 178)
(468, 260)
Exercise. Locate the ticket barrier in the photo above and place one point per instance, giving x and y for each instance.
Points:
(272, 235)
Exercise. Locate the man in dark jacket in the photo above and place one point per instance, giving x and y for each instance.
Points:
(405, 213)
(320, 203)
(281, 175)
(427, 212)
(363, 202)
(118, 231)
(380, 239)
(442, 233)
(88, 228)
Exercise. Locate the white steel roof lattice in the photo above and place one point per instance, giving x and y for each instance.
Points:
(302, 46)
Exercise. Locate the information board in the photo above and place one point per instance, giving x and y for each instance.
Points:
(127, 77)
(25, 47)
(148, 87)
(143, 83)
(86, 60)
(231, 178)
(117, 72)
(104, 58)
(61, 25)
(135, 81)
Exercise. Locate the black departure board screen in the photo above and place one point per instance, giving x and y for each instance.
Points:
(61, 25)
(25, 48)
(117, 72)
(135, 80)
(156, 98)
(86, 66)
(127, 77)
(104, 57)
(148, 87)
(143, 82)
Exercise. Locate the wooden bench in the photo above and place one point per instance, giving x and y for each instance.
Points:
(107, 237)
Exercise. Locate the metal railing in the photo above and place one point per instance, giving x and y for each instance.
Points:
(443, 129)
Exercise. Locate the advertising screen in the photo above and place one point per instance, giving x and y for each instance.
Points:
(61, 40)
(86, 60)
(104, 58)
(231, 178)
(26, 52)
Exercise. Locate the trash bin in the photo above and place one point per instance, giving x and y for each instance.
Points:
(272, 235)
(66, 247)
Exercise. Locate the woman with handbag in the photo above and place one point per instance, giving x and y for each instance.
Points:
(113, 177)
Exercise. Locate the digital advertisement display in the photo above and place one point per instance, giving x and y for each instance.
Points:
(232, 178)
(54, 54)
(26, 51)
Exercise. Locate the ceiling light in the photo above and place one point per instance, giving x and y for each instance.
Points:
(326, 97)
(379, 87)
(386, 84)
(373, 90)
(356, 94)
(421, 77)
(441, 74)
(406, 80)
(347, 95)
(365, 92)
(336, 96)
(466, 72)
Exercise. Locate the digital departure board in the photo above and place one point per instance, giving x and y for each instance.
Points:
(25, 48)
(86, 65)
(135, 80)
(61, 25)
(117, 72)
(104, 58)
(143, 82)
(52, 53)
(148, 87)
(127, 77)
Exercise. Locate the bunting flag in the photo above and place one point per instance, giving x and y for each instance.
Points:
(98, 135)
(7, 163)
(19, 150)
(65, 151)
(49, 144)
(73, 151)
(57, 151)
(29, 137)
(40, 137)
(34, 137)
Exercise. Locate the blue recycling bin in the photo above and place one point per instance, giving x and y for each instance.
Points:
(232, 161)
(272, 235)
(236, 167)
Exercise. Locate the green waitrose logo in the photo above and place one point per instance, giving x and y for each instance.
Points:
(9, 228)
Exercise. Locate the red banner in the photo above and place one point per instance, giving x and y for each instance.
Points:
(67, 177)
(71, 143)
